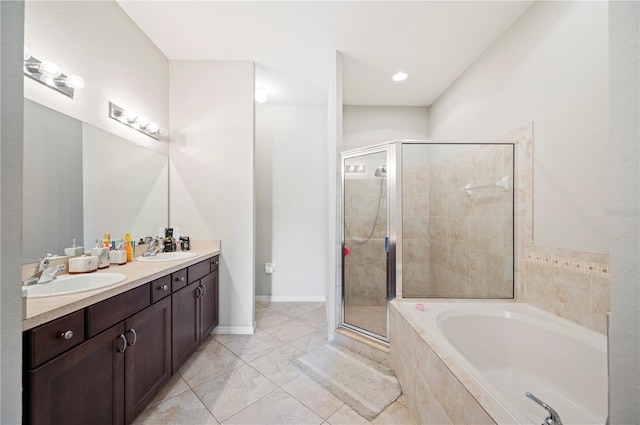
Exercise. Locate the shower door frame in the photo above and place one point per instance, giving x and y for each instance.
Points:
(394, 158)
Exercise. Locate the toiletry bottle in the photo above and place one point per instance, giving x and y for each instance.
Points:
(128, 247)
(107, 240)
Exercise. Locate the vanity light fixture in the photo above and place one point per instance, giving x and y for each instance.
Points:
(138, 122)
(354, 168)
(49, 74)
(400, 76)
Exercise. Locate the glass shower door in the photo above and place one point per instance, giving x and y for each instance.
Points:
(365, 243)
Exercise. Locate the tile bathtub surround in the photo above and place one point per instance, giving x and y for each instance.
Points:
(569, 283)
(249, 379)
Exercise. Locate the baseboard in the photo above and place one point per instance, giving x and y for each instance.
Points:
(234, 330)
(291, 298)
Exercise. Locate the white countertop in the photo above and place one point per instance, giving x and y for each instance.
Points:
(36, 311)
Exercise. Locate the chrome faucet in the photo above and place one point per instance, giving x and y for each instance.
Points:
(154, 248)
(553, 418)
(43, 273)
(49, 273)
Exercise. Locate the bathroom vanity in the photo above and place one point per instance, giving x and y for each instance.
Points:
(104, 362)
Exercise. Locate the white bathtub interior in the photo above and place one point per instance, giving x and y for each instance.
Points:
(512, 348)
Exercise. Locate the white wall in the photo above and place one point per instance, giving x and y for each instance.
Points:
(370, 125)
(624, 342)
(99, 42)
(550, 67)
(11, 41)
(211, 173)
(291, 204)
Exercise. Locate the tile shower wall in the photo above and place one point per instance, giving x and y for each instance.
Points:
(365, 267)
(458, 245)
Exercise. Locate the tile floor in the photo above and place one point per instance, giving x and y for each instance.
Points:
(248, 379)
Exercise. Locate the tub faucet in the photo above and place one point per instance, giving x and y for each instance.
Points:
(553, 418)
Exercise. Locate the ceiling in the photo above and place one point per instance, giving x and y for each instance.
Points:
(293, 42)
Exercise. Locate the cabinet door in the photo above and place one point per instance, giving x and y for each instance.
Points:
(83, 386)
(185, 326)
(208, 304)
(148, 356)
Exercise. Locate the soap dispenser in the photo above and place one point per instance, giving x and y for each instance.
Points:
(102, 252)
(74, 251)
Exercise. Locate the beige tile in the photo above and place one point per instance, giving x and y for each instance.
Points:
(210, 360)
(290, 330)
(276, 408)
(313, 395)
(174, 387)
(600, 302)
(347, 416)
(316, 318)
(225, 338)
(268, 318)
(293, 309)
(277, 364)
(251, 347)
(396, 414)
(228, 394)
(182, 409)
(573, 296)
(311, 341)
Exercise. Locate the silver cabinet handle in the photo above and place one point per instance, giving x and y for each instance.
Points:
(204, 290)
(66, 335)
(163, 287)
(199, 294)
(135, 337)
(180, 279)
(124, 343)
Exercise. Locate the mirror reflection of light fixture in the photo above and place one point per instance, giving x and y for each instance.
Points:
(261, 95)
(49, 74)
(132, 119)
(354, 168)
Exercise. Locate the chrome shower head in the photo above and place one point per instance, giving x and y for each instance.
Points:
(381, 171)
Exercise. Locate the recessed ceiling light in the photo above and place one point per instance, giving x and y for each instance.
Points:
(400, 76)
(261, 95)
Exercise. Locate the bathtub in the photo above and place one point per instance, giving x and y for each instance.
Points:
(498, 351)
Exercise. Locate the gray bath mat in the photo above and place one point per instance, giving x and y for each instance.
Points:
(362, 384)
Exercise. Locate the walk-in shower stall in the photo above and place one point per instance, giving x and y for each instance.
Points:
(424, 219)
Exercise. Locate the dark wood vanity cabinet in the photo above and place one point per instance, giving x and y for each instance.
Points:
(104, 364)
(194, 310)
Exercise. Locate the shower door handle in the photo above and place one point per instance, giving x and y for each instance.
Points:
(386, 244)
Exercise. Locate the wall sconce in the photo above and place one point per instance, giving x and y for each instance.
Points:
(137, 122)
(49, 74)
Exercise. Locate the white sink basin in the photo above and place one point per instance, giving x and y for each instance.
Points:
(169, 256)
(71, 284)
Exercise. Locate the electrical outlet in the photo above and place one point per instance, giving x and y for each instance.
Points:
(269, 268)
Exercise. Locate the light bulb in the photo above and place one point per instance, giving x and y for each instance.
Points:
(129, 115)
(400, 76)
(74, 81)
(153, 127)
(163, 132)
(49, 69)
(27, 52)
(261, 95)
(142, 121)
(351, 168)
(48, 80)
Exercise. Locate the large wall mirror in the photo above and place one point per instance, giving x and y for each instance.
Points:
(81, 181)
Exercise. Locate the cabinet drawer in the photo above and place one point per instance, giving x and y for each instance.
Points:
(215, 261)
(47, 341)
(199, 270)
(178, 280)
(109, 312)
(160, 288)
